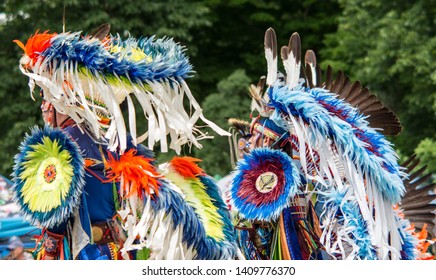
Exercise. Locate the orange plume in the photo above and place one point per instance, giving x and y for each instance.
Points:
(186, 166)
(423, 243)
(138, 174)
(422, 237)
(36, 45)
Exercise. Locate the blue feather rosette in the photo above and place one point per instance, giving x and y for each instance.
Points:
(264, 183)
(48, 177)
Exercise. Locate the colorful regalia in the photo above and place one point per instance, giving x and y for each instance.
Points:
(317, 178)
(89, 183)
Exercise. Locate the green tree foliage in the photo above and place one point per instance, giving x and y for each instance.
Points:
(426, 152)
(390, 46)
(235, 41)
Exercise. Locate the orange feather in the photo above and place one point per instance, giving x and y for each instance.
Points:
(187, 167)
(423, 243)
(138, 174)
(36, 45)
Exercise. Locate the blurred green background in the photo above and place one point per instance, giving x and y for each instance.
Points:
(388, 45)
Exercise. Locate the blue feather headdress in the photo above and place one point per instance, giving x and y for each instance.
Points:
(88, 78)
(350, 133)
(334, 133)
(48, 177)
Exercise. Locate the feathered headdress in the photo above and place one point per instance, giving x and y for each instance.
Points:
(335, 129)
(88, 76)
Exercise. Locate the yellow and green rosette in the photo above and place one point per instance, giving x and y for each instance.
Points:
(48, 176)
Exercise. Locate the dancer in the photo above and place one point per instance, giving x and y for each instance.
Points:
(318, 179)
(86, 179)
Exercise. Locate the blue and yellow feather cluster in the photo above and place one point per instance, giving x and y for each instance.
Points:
(139, 60)
(202, 213)
(48, 177)
(195, 235)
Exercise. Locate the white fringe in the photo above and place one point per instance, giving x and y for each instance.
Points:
(337, 172)
(162, 104)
